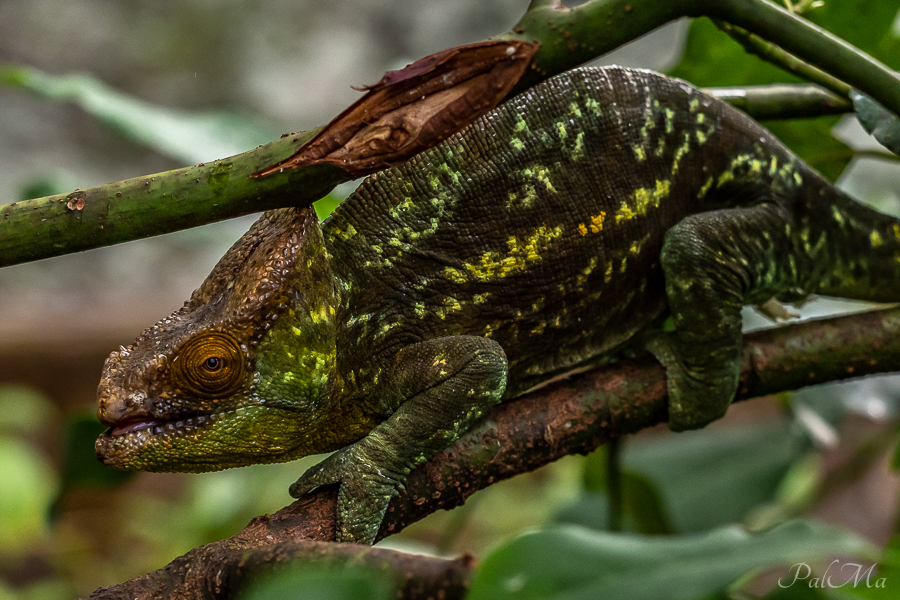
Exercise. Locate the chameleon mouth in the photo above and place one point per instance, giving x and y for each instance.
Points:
(132, 444)
(158, 427)
(148, 444)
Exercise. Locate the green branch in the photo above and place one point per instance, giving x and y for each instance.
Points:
(193, 196)
(572, 36)
(808, 42)
(755, 45)
(156, 204)
(783, 101)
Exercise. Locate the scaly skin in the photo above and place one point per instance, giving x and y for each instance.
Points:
(547, 234)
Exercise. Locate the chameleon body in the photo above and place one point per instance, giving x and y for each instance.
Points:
(552, 231)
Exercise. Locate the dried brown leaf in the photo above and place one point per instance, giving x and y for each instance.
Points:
(415, 108)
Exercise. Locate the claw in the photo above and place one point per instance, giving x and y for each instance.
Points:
(313, 478)
(776, 311)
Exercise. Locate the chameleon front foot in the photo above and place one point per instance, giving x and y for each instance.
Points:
(450, 383)
(366, 490)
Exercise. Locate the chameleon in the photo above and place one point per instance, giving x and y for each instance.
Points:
(602, 208)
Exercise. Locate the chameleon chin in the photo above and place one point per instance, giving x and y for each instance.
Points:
(549, 232)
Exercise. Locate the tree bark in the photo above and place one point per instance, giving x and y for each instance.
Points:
(571, 416)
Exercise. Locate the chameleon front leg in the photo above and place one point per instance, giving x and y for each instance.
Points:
(449, 384)
(714, 263)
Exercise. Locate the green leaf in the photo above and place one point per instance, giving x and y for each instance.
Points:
(643, 509)
(867, 24)
(23, 410)
(711, 58)
(590, 510)
(326, 206)
(575, 563)
(27, 483)
(796, 592)
(186, 136)
(712, 477)
(693, 481)
(323, 583)
(878, 121)
(888, 567)
(81, 469)
(643, 502)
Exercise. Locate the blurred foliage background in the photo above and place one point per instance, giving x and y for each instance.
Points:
(92, 91)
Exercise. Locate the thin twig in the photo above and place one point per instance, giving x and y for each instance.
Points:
(771, 53)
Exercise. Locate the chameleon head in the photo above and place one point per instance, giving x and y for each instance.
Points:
(242, 373)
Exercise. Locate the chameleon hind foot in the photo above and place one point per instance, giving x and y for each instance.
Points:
(714, 263)
(699, 393)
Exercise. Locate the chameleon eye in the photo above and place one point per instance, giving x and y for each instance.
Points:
(210, 365)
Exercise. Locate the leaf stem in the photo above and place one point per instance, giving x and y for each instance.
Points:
(614, 482)
(769, 52)
(783, 101)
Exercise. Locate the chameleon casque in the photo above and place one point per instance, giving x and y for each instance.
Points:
(561, 225)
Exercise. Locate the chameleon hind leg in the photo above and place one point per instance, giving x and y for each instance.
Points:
(714, 263)
(448, 383)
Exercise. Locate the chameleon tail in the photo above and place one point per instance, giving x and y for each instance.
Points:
(855, 249)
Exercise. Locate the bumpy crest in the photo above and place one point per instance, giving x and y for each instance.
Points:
(242, 296)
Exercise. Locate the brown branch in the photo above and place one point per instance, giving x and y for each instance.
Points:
(571, 416)
(226, 568)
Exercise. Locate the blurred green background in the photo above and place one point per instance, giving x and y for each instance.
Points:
(93, 91)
